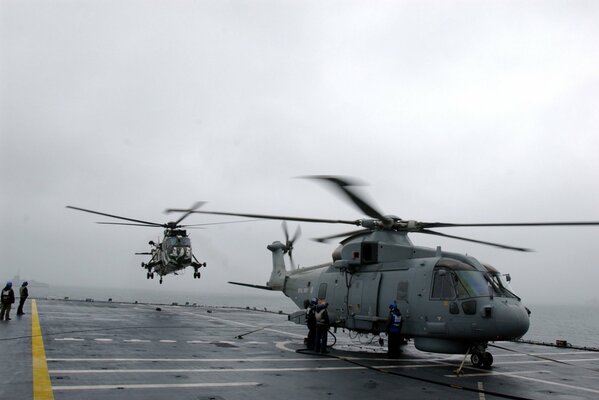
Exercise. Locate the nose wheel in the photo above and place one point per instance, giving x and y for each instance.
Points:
(481, 360)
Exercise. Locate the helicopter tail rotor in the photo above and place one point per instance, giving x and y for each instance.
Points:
(289, 242)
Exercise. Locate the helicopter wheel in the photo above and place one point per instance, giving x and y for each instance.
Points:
(196, 275)
(487, 359)
(476, 359)
(161, 280)
(482, 360)
(151, 275)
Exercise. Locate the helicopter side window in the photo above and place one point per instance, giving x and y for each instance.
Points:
(442, 285)
(402, 291)
(322, 291)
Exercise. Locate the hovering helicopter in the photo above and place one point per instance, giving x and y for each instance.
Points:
(450, 302)
(173, 253)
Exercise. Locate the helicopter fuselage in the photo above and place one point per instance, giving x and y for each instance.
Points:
(449, 302)
(173, 254)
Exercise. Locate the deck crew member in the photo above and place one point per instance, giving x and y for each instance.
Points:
(23, 294)
(393, 331)
(322, 327)
(7, 298)
(311, 322)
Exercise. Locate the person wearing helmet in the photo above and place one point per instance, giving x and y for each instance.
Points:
(23, 293)
(7, 298)
(393, 331)
(311, 322)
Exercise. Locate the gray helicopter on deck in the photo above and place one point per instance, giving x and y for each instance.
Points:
(173, 253)
(450, 302)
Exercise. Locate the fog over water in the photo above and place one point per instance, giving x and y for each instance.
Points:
(457, 112)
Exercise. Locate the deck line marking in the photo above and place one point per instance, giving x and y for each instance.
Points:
(472, 375)
(528, 378)
(190, 359)
(203, 370)
(42, 386)
(244, 324)
(157, 386)
(481, 394)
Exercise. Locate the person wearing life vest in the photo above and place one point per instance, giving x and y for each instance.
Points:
(311, 322)
(23, 294)
(322, 327)
(394, 322)
(7, 298)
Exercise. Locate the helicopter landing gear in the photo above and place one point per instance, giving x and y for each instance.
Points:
(196, 267)
(150, 275)
(480, 356)
(161, 280)
(481, 360)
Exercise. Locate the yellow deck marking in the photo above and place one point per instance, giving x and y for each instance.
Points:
(42, 387)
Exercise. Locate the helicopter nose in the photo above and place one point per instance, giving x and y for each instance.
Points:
(512, 320)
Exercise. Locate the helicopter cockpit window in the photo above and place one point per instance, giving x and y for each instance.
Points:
(442, 285)
(467, 280)
(501, 287)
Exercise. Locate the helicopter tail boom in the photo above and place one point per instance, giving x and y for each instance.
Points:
(250, 285)
(279, 272)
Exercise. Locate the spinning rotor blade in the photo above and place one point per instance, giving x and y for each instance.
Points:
(447, 225)
(344, 184)
(194, 207)
(124, 223)
(278, 217)
(116, 216)
(429, 232)
(144, 254)
(219, 223)
(326, 239)
(296, 235)
(289, 242)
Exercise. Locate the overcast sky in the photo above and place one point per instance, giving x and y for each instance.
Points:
(453, 111)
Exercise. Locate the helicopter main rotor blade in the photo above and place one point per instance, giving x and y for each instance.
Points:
(448, 225)
(219, 223)
(344, 185)
(277, 217)
(124, 223)
(115, 216)
(503, 246)
(326, 239)
(194, 207)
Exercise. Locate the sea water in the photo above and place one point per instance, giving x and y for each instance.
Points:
(576, 324)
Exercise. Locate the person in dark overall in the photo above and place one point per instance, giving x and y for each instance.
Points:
(322, 327)
(7, 298)
(394, 322)
(23, 294)
(311, 322)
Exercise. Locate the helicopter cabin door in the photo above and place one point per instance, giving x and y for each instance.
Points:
(363, 301)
